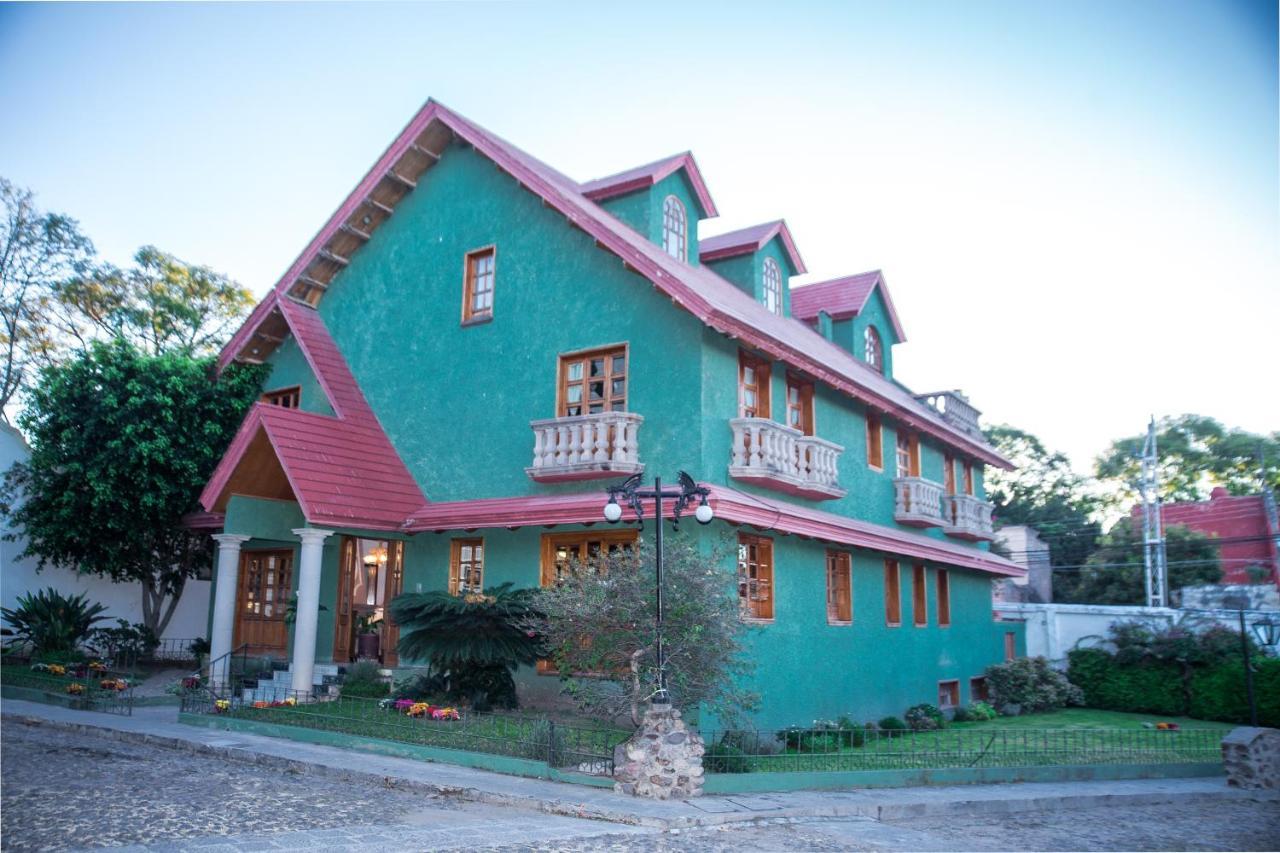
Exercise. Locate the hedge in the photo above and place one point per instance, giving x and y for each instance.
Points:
(1215, 692)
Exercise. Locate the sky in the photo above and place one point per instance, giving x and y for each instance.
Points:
(1076, 205)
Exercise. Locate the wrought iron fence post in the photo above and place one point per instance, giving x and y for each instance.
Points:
(551, 742)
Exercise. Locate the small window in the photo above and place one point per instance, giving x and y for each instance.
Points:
(772, 286)
(466, 566)
(1010, 645)
(675, 229)
(949, 474)
(943, 582)
(908, 454)
(968, 479)
(892, 594)
(800, 405)
(918, 597)
(477, 296)
(978, 690)
(753, 387)
(839, 588)
(285, 398)
(948, 693)
(875, 442)
(873, 350)
(593, 382)
(755, 577)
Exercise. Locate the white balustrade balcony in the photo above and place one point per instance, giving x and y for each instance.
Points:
(918, 502)
(966, 517)
(780, 457)
(585, 447)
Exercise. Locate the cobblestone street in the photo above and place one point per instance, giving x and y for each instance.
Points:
(70, 790)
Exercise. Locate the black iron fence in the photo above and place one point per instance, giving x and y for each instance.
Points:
(853, 748)
(560, 745)
(87, 686)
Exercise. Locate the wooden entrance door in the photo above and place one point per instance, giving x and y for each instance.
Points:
(266, 583)
(344, 619)
(395, 582)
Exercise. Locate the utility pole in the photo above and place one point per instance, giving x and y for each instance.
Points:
(1153, 550)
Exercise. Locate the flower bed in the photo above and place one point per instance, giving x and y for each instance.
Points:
(87, 684)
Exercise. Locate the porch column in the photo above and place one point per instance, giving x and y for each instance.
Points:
(304, 628)
(224, 604)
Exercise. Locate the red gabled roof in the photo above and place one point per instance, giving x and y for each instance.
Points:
(729, 505)
(341, 468)
(752, 239)
(715, 301)
(842, 298)
(648, 175)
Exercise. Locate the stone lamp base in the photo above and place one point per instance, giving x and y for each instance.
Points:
(662, 760)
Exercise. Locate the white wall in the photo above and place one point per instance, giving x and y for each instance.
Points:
(123, 601)
(1055, 629)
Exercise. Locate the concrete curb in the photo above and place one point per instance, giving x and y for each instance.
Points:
(1008, 803)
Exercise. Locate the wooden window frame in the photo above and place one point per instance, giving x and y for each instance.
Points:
(951, 687)
(919, 595)
(669, 227)
(763, 376)
(968, 479)
(892, 594)
(875, 442)
(913, 453)
(751, 611)
(456, 561)
(942, 595)
(579, 540)
(873, 349)
(608, 352)
(803, 406)
(292, 393)
(839, 563)
(979, 689)
(771, 286)
(470, 314)
(1010, 645)
(948, 474)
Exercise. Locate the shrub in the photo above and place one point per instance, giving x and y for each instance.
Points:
(1149, 686)
(820, 740)
(981, 712)
(724, 757)
(52, 623)
(961, 715)
(924, 718)
(363, 681)
(1032, 685)
(124, 644)
(892, 726)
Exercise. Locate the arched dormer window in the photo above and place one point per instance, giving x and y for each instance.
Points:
(874, 350)
(675, 229)
(772, 286)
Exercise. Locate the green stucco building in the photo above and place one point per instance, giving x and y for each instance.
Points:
(475, 346)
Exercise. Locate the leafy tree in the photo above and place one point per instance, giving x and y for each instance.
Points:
(1114, 574)
(1196, 454)
(37, 252)
(122, 444)
(1045, 493)
(598, 625)
(473, 642)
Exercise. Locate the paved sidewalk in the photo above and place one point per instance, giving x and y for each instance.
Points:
(160, 726)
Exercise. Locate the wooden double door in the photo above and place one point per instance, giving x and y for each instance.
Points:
(262, 601)
(370, 576)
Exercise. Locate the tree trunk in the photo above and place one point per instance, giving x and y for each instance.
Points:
(158, 607)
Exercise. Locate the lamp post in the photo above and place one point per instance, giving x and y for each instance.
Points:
(631, 493)
(1268, 634)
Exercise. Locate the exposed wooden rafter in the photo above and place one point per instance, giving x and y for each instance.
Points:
(377, 205)
(401, 179)
(355, 232)
(313, 283)
(325, 254)
(424, 152)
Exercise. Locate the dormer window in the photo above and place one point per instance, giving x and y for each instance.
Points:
(675, 229)
(772, 286)
(874, 350)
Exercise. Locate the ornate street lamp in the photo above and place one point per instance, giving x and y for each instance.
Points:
(1268, 633)
(632, 494)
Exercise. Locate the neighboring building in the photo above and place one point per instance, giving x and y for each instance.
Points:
(122, 600)
(475, 345)
(1245, 526)
(1025, 547)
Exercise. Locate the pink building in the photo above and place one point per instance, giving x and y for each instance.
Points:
(1245, 527)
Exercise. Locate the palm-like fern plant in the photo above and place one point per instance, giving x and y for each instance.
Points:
(474, 642)
(52, 623)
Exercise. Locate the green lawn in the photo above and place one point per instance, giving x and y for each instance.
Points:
(1089, 718)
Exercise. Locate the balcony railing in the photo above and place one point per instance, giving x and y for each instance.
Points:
(955, 409)
(966, 517)
(771, 454)
(918, 502)
(585, 447)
